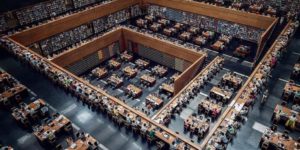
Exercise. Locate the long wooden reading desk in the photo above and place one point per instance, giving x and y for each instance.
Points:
(85, 143)
(130, 72)
(154, 100)
(220, 94)
(148, 79)
(100, 72)
(30, 111)
(56, 126)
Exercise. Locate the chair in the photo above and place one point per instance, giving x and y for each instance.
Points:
(286, 132)
(77, 134)
(44, 111)
(284, 103)
(160, 145)
(274, 127)
(18, 98)
(101, 107)
(25, 123)
(22, 105)
(35, 116)
(285, 96)
(52, 140)
(149, 139)
(127, 125)
(296, 100)
(55, 115)
(143, 134)
(265, 145)
(136, 129)
(68, 127)
(219, 98)
(207, 112)
(120, 121)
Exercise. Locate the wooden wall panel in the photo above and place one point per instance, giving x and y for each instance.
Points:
(188, 75)
(86, 49)
(264, 38)
(162, 46)
(43, 31)
(254, 20)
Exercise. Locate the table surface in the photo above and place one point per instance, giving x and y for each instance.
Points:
(148, 78)
(221, 92)
(55, 125)
(154, 99)
(168, 87)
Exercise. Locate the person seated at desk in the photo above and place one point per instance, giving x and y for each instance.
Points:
(219, 2)
(242, 51)
(128, 118)
(291, 122)
(219, 146)
(223, 138)
(138, 121)
(49, 135)
(230, 130)
(277, 116)
(214, 113)
(151, 134)
(237, 5)
(250, 101)
(144, 128)
(6, 147)
(116, 112)
(285, 135)
(296, 107)
(239, 117)
(270, 11)
(255, 8)
(288, 91)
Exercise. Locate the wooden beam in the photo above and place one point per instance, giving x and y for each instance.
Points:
(66, 23)
(236, 16)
